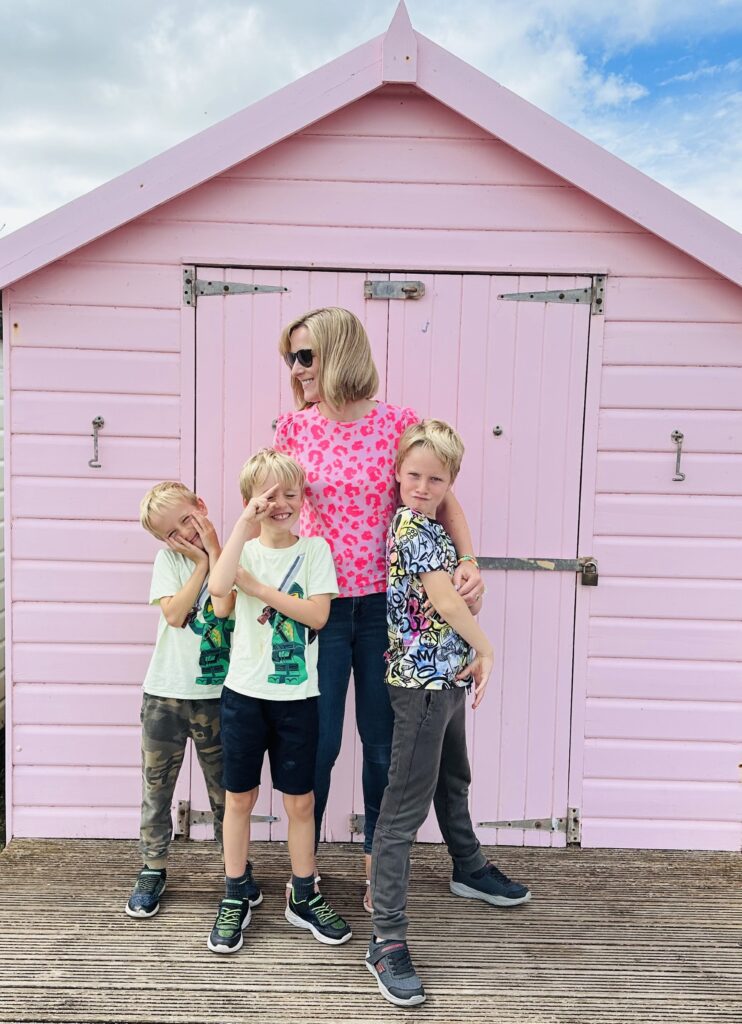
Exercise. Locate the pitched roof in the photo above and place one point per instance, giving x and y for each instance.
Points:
(400, 55)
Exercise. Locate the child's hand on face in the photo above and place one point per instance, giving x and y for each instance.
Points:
(479, 670)
(184, 547)
(260, 506)
(207, 533)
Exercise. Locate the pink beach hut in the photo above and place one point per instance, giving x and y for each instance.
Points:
(579, 323)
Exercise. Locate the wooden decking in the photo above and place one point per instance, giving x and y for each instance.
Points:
(611, 936)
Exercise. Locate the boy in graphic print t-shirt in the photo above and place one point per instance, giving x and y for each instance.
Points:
(434, 657)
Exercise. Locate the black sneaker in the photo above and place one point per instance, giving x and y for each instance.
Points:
(253, 895)
(490, 885)
(145, 897)
(319, 918)
(231, 921)
(389, 962)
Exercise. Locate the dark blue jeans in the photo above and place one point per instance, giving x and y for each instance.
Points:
(355, 637)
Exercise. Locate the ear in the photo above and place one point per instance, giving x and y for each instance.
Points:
(201, 506)
(397, 476)
(245, 502)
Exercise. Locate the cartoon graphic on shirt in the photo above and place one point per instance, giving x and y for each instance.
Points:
(216, 641)
(288, 641)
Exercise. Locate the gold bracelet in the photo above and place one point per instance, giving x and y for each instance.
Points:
(468, 558)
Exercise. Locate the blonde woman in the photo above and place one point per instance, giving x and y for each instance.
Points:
(346, 442)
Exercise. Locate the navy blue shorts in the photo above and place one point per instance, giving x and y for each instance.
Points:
(286, 729)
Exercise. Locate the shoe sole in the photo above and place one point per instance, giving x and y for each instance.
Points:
(299, 922)
(459, 889)
(389, 996)
(144, 913)
(257, 902)
(232, 949)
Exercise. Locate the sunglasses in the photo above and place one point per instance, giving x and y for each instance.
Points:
(304, 357)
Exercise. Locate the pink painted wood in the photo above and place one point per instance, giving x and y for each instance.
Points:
(104, 332)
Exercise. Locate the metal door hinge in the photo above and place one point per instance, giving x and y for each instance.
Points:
(193, 287)
(393, 289)
(186, 817)
(356, 823)
(586, 566)
(593, 295)
(570, 825)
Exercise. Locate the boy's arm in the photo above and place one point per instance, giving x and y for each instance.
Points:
(224, 573)
(312, 611)
(452, 608)
(177, 606)
(467, 577)
(223, 606)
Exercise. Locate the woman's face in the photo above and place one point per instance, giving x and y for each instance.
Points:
(307, 376)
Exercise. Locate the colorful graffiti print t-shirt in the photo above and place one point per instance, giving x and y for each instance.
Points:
(424, 651)
(351, 492)
(274, 657)
(188, 661)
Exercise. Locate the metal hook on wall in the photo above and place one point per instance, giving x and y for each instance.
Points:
(98, 422)
(677, 438)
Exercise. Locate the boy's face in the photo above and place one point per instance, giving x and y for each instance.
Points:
(423, 481)
(176, 522)
(287, 501)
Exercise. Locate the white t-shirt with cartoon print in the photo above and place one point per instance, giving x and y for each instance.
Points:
(274, 657)
(188, 661)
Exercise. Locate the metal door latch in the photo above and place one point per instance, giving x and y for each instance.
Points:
(186, 817)
(98, 422)
(570, 825)
(393, 289)
(677, 438)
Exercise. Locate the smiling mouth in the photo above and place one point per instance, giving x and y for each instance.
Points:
(282, 515)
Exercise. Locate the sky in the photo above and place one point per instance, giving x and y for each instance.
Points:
(91, 88)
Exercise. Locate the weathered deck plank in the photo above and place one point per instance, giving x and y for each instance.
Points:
(611, 937)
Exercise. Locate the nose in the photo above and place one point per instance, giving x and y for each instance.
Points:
(296, 369)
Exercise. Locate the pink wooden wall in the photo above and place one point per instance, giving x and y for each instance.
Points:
(394, 181)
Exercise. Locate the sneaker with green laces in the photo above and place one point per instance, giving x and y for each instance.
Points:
(145, 896)
(231, 921)
(318, 917)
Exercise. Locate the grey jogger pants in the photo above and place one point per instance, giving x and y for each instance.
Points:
(429, 765)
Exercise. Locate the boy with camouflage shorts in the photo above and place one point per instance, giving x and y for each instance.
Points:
(184, 680)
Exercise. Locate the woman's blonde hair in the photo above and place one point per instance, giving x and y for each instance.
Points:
(434, 436)
(346, 370)
(265, 462)
(163, 496)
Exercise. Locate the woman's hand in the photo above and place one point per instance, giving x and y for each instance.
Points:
(468, 582)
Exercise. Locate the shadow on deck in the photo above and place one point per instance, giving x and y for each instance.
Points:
(610, 936)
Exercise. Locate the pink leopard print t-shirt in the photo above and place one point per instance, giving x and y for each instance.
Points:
(351, 489)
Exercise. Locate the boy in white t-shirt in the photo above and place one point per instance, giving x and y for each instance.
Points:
(184, 680)
(269, 703)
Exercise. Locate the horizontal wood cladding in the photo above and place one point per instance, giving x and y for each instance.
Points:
(76, 822)
(672, 760)
(83, 703)
(671, 557)
(702, 721)
(37, 786)
(82, 541)
(135, 415)
(670, 599)
(135, 373)
(63, 663)
(677, 515)
(672, 387)
(72, 498)
(664, 638)
(115, 328)
(672, 344)
(101, 582)
(75, 623)
(395, 204)
(630, 833)
(668, 300)
(643, 430)
(59, 456)
(668, 679)
(652, 473)
(572, 251)
(105, 745)
(668, 799)
(82, 282)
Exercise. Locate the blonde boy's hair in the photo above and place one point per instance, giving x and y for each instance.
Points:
(346, 370)
(434, 436)
(161, 497)
(265, 462)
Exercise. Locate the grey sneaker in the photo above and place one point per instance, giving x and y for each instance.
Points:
(491, 885)
(145, 897)
(231, 921)
(318, 917)
(389, 962)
